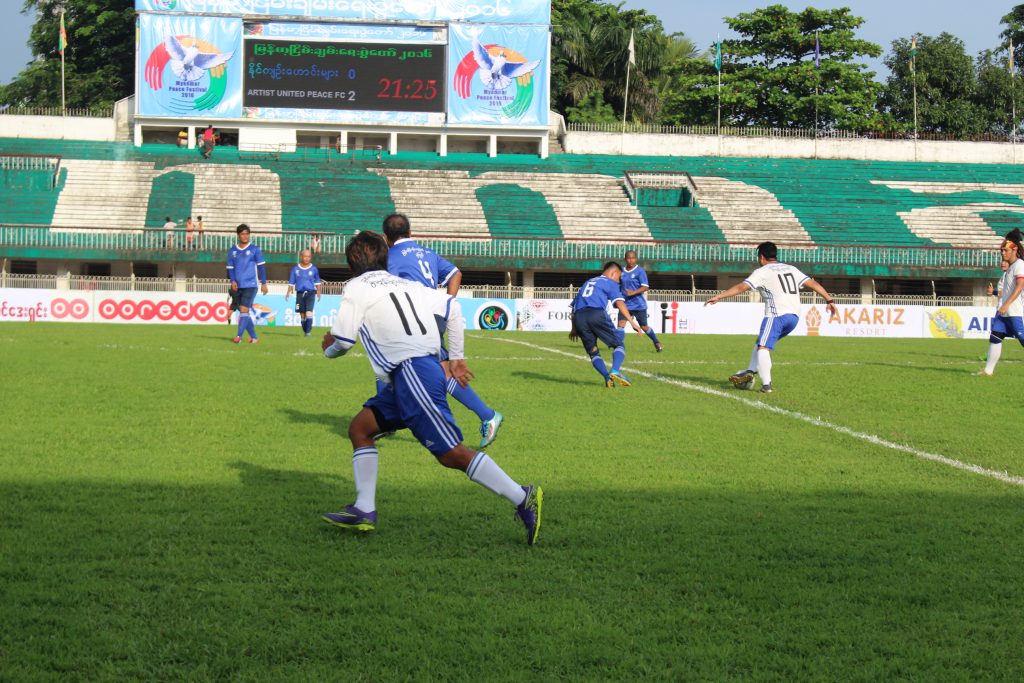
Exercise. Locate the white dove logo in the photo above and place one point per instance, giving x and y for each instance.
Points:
(495, 70)
(189, 63)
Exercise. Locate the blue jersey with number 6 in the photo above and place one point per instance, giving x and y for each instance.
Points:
(412, 261)
(597, 292)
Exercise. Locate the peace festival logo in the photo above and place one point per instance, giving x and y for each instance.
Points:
(198, 66)
(497, 67)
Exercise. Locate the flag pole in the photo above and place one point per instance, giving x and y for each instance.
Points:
(718, 68)
(625, 102)
(913, 70)
(63, 45)
(1013, 102)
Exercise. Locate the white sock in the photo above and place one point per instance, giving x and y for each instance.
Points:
(364, 468)
(994, 351)
(764, 365)
(486, 472)
(753, 360)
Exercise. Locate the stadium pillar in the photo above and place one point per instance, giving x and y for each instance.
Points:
(492, 146)
(393, 144)
(342, 141)
(543, 147)
(867, 291)
(442, 145)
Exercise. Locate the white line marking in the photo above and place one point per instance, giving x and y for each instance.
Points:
(1004, 477)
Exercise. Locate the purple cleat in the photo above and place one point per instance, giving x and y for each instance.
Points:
(529, 512)
(352, 518)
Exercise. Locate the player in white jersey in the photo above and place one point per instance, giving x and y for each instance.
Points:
(398, 322)
(779, 286)
(1008, 319)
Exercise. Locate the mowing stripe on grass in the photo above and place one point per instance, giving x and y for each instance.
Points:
(1005, 477)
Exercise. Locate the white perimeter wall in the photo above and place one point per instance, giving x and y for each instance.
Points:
(57, 127)
(795, 148)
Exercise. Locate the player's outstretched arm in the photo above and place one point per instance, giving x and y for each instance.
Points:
(731, 292)
(811, 283)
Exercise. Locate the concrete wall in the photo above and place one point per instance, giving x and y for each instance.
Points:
(793, 148)
(58, 127)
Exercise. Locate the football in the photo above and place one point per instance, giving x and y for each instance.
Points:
(748, 385)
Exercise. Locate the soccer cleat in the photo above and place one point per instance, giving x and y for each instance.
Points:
(766, 388)
(743, 379)
(489, 429)
(620, 378)
(658, 347)
(236, 340)
(609, 383)
(529, 512)
(254, 340)
(984, 373)
(352, 518)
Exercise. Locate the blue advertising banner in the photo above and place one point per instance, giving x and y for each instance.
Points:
(490, 11)
(499, 75)
(480, 314)
(189, 66)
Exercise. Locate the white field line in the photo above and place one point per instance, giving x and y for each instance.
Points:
(1005, 477)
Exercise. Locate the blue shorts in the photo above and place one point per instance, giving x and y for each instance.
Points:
(304, 301)
(593, 324)
(246, 295)
(774, 329)
(640, 315)
(417, 400)
(1004, 326)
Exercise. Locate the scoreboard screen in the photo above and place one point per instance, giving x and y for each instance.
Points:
(295, 74)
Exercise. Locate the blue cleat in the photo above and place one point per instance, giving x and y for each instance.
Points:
(352, 518)
(489, 429)
(620, 378)
(529, 512)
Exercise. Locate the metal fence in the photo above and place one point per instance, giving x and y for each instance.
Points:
(522, 249)
(220, 286)
(105, 113)
(783, 132)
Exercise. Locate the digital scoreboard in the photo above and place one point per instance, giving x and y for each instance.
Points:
(296, 74)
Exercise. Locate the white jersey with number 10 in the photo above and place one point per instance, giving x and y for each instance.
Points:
(395, 319)
(779, 286)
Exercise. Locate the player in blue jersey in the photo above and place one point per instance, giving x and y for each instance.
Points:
(246, 270)
(305, 280)
(590, 321)
(412, 261)
(634, 286)
(394, 318)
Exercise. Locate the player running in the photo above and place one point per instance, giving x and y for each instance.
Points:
(779, 286)
(394, 318)
(590, 322)
(1008, 319)
(634, 286)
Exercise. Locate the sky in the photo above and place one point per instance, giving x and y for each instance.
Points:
(975, 22)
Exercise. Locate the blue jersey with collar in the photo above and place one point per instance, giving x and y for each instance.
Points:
(246, 266)
(635, 279)
(597, 292)
(411, 261)
(304, 279)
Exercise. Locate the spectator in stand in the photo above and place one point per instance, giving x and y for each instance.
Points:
(183, 137)
(232, 302)
(190, 234)
(169, 228)
(208, 141)
(314, 243)
(200, 234)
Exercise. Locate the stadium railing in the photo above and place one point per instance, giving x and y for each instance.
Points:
(525, 248)
(219, 286)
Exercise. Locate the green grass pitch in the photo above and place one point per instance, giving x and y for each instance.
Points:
(160, 491)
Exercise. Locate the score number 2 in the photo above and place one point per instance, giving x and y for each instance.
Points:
(416, 89)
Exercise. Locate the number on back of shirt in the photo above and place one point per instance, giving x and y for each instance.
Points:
(425, 269)
(404, 317)
(589, 289)
(788, 283)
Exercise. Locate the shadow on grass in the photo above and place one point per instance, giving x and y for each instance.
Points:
(173, 581)
(538, 377)
(338, 424)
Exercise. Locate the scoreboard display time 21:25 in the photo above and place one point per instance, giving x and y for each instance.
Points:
(293, 74)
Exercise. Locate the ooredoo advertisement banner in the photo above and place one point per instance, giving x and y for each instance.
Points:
(273, 310)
